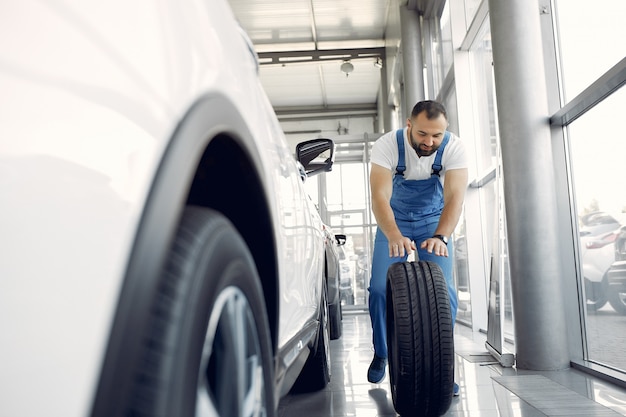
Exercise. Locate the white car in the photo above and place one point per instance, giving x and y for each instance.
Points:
(159, 257)
(597, 253)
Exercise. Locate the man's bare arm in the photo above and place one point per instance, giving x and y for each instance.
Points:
(453, 196)
(381, 185)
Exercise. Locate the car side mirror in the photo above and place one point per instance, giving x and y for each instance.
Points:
(316, 155)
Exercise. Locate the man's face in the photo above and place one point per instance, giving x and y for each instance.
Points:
(426, 135)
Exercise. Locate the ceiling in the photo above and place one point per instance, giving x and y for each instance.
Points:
(303, 43)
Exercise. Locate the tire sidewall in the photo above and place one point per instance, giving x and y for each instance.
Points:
(221, 260)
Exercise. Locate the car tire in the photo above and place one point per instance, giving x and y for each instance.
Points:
(618, 301)
(208, 350)
(596, 294)
(419, 339)
(316, 372)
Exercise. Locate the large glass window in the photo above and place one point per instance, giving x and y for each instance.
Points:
(447, 49)
(590, 43)
(482, 60)
(348, 212)
(461, 274)
(449, 101)
(346, 187)
(483, 108)
(591, 40)
(471, 6)
(597, 155)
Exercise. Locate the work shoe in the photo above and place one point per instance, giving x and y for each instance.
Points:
(455, 390)
(376, 371)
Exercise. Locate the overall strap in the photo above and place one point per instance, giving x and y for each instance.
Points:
(437, 164)
(401, 162)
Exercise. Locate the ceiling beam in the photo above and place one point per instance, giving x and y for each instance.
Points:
(289, 57)
(295, 113)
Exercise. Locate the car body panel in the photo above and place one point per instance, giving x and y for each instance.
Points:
(597, 223)
(347, 275)
(598, 254)
(92, 95)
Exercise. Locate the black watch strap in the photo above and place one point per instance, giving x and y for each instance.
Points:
(442, 238)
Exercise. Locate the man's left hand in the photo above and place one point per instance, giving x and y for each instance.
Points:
(436, 246)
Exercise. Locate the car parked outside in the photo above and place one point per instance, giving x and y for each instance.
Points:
(159, 257)
(598, 253)
(597, 223)
(616, 275)
(598, 233)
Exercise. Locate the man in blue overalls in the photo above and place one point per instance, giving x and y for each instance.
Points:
(418, 180)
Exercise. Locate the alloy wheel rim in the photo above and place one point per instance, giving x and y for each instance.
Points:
(231, 374)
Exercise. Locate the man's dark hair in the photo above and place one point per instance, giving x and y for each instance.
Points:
(432, 108)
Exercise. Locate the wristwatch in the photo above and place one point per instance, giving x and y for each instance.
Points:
(442, 238)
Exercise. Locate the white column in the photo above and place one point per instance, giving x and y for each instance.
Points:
(529, 190)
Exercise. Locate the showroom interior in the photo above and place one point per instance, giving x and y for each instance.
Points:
(534, 89)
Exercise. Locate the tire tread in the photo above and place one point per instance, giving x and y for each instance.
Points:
(420, 339)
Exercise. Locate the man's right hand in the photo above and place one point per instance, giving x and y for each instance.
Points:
(401, 246)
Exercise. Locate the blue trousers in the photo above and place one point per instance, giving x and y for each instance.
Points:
(418, 232)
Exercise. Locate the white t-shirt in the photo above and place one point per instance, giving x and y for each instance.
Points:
(385, 154)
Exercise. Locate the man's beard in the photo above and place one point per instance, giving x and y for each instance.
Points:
(420, 151)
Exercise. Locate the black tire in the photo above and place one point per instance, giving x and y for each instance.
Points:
(316, 372)
(617, 300)
(419, 339)
(209, 348)
(596, 293)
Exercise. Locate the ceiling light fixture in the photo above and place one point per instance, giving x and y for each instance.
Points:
(347, 67)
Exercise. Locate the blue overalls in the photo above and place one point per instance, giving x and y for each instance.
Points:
(417, 206)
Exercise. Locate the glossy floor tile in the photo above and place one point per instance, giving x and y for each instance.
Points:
(487, 389)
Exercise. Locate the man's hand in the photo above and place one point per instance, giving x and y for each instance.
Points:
(398, 247)
(436, 246)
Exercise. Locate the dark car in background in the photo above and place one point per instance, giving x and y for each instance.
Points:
(616, 275)
(347, 276)
(333, 278)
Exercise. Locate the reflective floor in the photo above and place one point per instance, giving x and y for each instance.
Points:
(487, 389)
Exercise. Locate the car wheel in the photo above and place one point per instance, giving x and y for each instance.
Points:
(208, 352)
(316, 372)
(419, 339)
(618, 301)
(596, 294)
